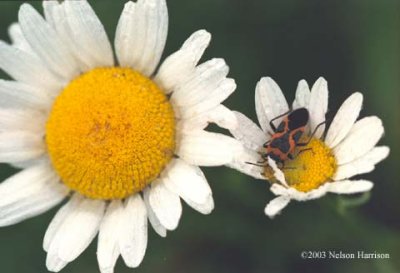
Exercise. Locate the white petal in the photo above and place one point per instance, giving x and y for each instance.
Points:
(31, 162)
(270, 103)
(364, 164)
(318, 106)
(19, 95)
(23, 66)
(155, 223)
(279, 175)
(46, 43)
(20, 146)
(244, 162)
(187, 181)
(165, 204)
(36, 204)
(278, 189)
(29, 193)
(21, 120)
(313, 194)
(16, 36)
(18, 39)
(216, 96)
(206, 77)
(181, 64)
(141, 34)
(248, 132)
(205, 208)
(294, 194)
(362, 137)
(353, 168)
(207, 149)
(220, 115)
(52, 10)
(107, 245)
(133, 240)
(377, 154)
(86, 28)
(344, 120)
(59, 218)
(54, 263)
(303, 95)
(276, 205)
(75, 233)
(55, 15)
(350, 186)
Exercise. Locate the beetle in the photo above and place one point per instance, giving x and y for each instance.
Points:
(286, 137)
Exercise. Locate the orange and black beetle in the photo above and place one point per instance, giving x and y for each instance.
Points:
(286, 137)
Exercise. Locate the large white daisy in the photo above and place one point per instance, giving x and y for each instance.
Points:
(122, 141)
(329, 160)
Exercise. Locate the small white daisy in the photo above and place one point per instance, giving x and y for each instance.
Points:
(122, 141)
(327, 162)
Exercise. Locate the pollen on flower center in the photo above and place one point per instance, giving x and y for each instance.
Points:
(314, 165)
(110, 132)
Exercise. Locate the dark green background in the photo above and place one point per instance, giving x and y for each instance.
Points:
(355, 45)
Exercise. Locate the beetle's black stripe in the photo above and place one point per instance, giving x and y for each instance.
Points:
(281, 127)
(281, 143)
(297, 136)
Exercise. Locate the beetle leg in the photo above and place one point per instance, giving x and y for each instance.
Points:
(258, 165)
(266, 143)
(262, 161)
(261, 153)
(316, 128)
(272, 127)
(275, 118)
(289, 168)
(311, 136)
(304, 150)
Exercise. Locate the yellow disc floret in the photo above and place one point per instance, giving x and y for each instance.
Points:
(111, 131)
(314, 165)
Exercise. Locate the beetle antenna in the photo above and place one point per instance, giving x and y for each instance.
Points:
(255, 164)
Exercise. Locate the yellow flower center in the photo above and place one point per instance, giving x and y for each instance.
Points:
(313, 166)
(110, 132)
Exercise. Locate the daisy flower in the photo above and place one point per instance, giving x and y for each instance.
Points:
(121, 142)
(330, 158)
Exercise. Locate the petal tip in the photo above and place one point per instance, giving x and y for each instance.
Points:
(322, 80)
(203, 32)
(24, 10)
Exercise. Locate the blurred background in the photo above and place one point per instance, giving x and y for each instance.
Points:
(355, 45)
